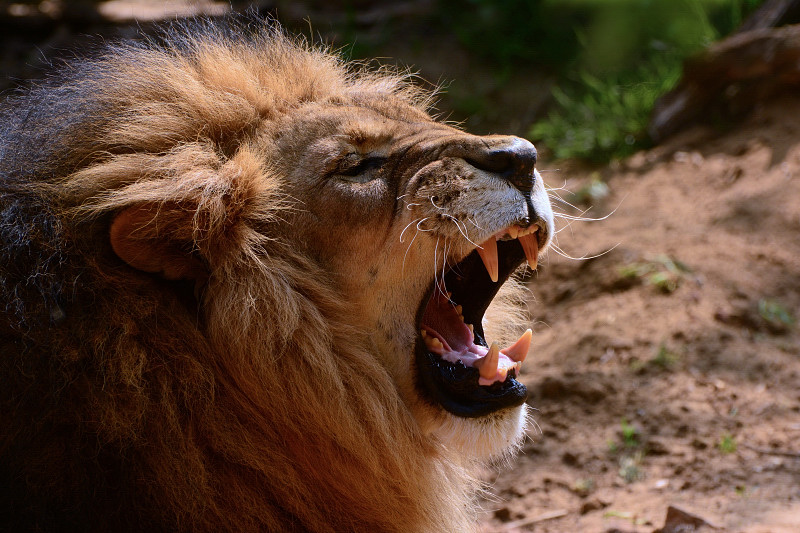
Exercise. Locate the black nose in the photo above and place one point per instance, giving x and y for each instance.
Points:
(512, 158)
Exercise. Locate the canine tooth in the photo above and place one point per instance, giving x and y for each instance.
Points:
(530, 243)
(488, 253)
(519, 350)
(487, 365)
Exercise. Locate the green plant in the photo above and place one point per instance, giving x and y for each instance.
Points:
(630, 434)
(775, 314)
(631, 52)
(727, 444)
(663, 272)
(630, 467)
(598, 118)
(664, 358)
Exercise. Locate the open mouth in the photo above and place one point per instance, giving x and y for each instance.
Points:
(457, 368)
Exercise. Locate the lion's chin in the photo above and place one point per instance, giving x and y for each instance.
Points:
(495, 436)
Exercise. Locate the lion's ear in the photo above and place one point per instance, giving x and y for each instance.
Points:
(155, 239)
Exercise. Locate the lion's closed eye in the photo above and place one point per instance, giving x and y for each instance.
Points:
(359, 169)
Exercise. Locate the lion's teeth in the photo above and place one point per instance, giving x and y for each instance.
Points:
(487, 365)
(471, 328)
(513, 231)
(530, 243)
(433, 344)
(488, 253)
(459, 309)
(519, 350)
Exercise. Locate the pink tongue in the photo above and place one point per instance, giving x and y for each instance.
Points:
(441, 320)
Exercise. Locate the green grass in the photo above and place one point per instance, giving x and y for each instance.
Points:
(727, 444)
(663, 272)
(775, 314)
(631, 52)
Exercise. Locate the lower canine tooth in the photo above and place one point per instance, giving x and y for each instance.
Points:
(530, 244)
(487, 365)
(519, 350)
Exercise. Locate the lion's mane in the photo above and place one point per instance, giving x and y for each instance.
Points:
(131, 401)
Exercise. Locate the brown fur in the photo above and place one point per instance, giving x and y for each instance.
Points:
(188, 341)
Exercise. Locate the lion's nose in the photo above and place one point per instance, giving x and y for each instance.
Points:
(512, 158)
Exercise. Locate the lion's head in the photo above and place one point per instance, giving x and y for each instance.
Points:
(245, 285)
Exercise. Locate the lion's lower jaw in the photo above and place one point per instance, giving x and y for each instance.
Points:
(490, 437)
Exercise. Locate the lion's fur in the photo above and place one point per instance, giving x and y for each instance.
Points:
(134, 401)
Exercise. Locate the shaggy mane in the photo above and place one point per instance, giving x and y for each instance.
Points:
(126, 409)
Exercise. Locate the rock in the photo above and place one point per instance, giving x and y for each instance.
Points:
(679, 521)
(595, 504)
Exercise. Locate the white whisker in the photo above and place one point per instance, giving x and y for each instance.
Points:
(462, 232)
(417, 220)
(565, 255)
(434, 204)
(408, 249)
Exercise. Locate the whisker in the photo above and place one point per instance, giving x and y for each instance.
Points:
(408, 248)
(458, 226)
(409, 224)
(434, 204)
(565, 255)
(475, 224)
(420, 222)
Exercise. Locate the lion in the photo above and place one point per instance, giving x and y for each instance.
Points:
(243, 284)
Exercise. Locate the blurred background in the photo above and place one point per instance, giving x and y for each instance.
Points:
(581, 76)
(664, 377)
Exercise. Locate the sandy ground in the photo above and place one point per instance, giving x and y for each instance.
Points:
(666, 370)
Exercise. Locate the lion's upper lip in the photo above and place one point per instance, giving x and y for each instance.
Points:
(456, 365)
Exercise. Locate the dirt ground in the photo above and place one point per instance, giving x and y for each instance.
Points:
(666, 367)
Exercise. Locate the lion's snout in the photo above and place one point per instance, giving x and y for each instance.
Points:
(511, 158)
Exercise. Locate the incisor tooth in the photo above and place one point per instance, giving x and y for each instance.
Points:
(471, 328)
(459, 309)
(488, 253)
(487, 365)
(513, 231)
(530, 243)
(518, 351)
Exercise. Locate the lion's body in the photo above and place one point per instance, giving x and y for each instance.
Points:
(227, 382)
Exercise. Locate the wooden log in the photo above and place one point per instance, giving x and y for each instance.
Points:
(730, 78)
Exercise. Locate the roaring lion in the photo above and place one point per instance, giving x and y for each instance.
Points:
(243, 285)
